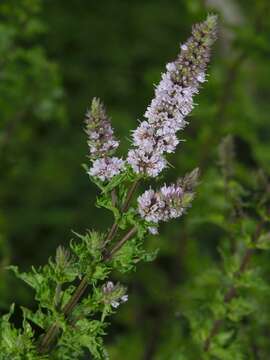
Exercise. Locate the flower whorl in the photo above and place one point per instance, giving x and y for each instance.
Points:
(114, 294)
(173, 102)
(169, 202)
(102, 143)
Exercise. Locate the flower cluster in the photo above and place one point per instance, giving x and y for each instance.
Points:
(107, 167)
(173, 102)
(114, 294)
(102, 143)
(169, 202)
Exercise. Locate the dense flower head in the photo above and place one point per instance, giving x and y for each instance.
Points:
(114, 294)
(106, 168)
(173, 101)
(102, 143)
(149, 139)
(148, 163)
(162, 205)
(167, 203)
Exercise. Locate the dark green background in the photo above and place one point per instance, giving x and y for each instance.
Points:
(55, 56)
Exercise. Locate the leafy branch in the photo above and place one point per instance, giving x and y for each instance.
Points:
(232, 291)
(53, 330)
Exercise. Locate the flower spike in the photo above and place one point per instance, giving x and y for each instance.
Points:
(102, 143)
(173, 101)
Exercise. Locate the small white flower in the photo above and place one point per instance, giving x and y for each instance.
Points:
(124, 298)
(115, 304)
(153, 230)
(171, 67)
(168, 143)
(201, 77)
(184, 47)
(143, 136)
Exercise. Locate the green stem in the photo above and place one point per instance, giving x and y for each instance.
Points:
(68, 308)
(124, 208)
(48, 338)
(129, 196)
(53, 330)
(120, 243)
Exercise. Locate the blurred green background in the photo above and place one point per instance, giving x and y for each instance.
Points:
(55, 56)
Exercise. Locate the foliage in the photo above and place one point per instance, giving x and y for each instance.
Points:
(174, 302)
(230, 296)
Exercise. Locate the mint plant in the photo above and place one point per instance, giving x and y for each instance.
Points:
(74, 292)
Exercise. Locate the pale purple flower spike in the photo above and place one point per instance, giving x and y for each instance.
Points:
(102, 143)
(173, 102)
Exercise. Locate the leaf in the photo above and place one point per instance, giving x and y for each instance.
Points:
(105, 201)
(252, 279)
(225, 336)
(114, 182)
(239, 307)
(263, 242)
(33, 279)
(39, 318)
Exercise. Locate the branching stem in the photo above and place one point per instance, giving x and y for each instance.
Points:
(124, 208)
(54, 329)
